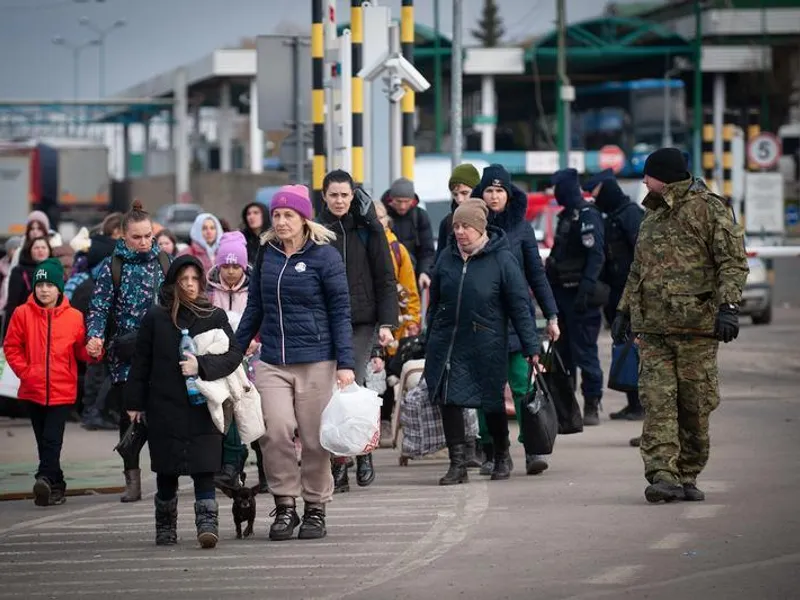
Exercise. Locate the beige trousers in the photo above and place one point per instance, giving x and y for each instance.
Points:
(293, 398)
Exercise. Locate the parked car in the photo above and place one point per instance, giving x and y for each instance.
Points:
(178, 218)
(757, 294)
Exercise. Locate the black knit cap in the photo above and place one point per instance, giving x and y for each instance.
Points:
(668, 165)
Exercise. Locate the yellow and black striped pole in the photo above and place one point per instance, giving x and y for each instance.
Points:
(357, 99)
(408, 104)
(728, 130)
(708, 146)
(317, 102)
(753, 130)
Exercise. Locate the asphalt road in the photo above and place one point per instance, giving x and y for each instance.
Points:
(581, 530)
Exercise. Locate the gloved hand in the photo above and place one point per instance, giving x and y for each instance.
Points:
(621, 327)
(726, 327)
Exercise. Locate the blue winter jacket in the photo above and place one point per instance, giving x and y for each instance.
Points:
(142, 277)
(300, 305)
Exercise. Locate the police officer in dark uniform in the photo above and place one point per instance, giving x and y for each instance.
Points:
(622, 221)
(573, 269)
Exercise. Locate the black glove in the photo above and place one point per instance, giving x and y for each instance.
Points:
(621, 327)
(726, 327)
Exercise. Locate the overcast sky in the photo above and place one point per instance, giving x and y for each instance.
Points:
(162, 34)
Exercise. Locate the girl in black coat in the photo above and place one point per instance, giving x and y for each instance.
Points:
(183, 439)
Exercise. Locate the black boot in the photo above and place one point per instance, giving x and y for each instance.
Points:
(365, 472)
(206, 519)
(628, 414)
(692, 494)
(133, 486)
(457, 473)
(341, 483)
(166, 521)
(488, 463)
(635, 442)
(591, 412)
(286, 519)
(471, 455)
(502, 460)
(313, 526)
(228, 477)
(663, 491)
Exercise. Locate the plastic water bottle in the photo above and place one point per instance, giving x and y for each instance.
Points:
(188, 346)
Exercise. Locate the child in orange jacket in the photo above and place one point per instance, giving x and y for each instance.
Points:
(45, 339)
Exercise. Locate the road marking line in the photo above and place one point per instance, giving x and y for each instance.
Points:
(616, 575)
(133, 518)
(103, 535)
(702, 511)
(97, 582)
(207, 568)
(672, 541)
(92, 547)
(217, 592)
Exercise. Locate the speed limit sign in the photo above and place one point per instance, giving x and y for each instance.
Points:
(764, 150)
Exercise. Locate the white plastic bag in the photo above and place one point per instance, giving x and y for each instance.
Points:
(351, 422)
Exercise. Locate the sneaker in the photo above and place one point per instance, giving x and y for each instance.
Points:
(286, 520)
(313, 526)
(42, 492)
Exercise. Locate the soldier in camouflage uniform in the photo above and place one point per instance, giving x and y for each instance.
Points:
(681, 299)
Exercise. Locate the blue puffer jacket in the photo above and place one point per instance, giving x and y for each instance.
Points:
(142, 277)
(300, 304)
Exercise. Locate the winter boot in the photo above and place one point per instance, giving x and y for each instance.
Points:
(313, 526)
(42, 492)
(663, 491)
(692, 494)
(488, 463)
(457, 473)
(228, 477)
(286, 519)
(591, 412)
(471, 455)
(341, 483)
(166, 521)
(133, 486)
(206, 519)
(502, 460)
(263, 488)
(628, 414)
(535, 464)
(365, 472)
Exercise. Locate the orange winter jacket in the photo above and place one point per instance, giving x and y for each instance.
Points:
(407, 292)
(42, 347)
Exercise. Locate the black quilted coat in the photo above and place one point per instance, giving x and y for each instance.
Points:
(466, 360)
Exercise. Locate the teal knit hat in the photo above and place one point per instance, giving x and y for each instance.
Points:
(466, 174)
(49, 270)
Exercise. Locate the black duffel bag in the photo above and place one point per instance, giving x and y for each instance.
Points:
(539, 418)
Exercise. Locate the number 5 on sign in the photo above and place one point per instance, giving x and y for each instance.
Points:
(764, 150)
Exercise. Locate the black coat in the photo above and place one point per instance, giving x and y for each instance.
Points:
(470, 308)
(183, 439)
(445, 231)
(250, 236)
(20, 286)
(370, 271)
(413, 230)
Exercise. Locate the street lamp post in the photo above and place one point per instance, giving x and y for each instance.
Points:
(76, 50)
(102, 34)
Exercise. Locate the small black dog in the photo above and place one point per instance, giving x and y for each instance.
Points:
(244, 507)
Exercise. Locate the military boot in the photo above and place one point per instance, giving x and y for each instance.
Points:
(591, 412)
(663, 491)
(166, 521)
(457, 473)
(692, 494)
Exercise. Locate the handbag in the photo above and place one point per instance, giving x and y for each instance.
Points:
(561, 387)
(624, 373)
(133, 441)
(539, 418)
(123, 347)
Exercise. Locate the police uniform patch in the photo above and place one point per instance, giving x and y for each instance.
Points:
(587, 239)
(586, 227)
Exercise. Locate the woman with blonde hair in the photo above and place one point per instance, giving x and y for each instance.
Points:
(299, 303)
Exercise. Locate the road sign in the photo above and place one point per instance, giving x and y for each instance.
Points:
(611, 157)
(792, 215)
(764, 150)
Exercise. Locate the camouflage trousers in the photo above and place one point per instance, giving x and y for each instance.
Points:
(679, 389)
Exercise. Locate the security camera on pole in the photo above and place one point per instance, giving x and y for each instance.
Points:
(395, 71)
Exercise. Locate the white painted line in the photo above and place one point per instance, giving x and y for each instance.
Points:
(672, 541)
(104, 535)
(702, 511)
(195, 580)
(616, 575)
(91, 547)
(381, 510)
(208, 568)
(176, 590)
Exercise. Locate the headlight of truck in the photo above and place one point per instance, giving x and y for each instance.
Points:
(758, 271)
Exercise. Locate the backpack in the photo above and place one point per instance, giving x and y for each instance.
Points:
(364, 233)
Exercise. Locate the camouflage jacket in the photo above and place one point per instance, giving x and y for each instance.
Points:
(689, 259)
